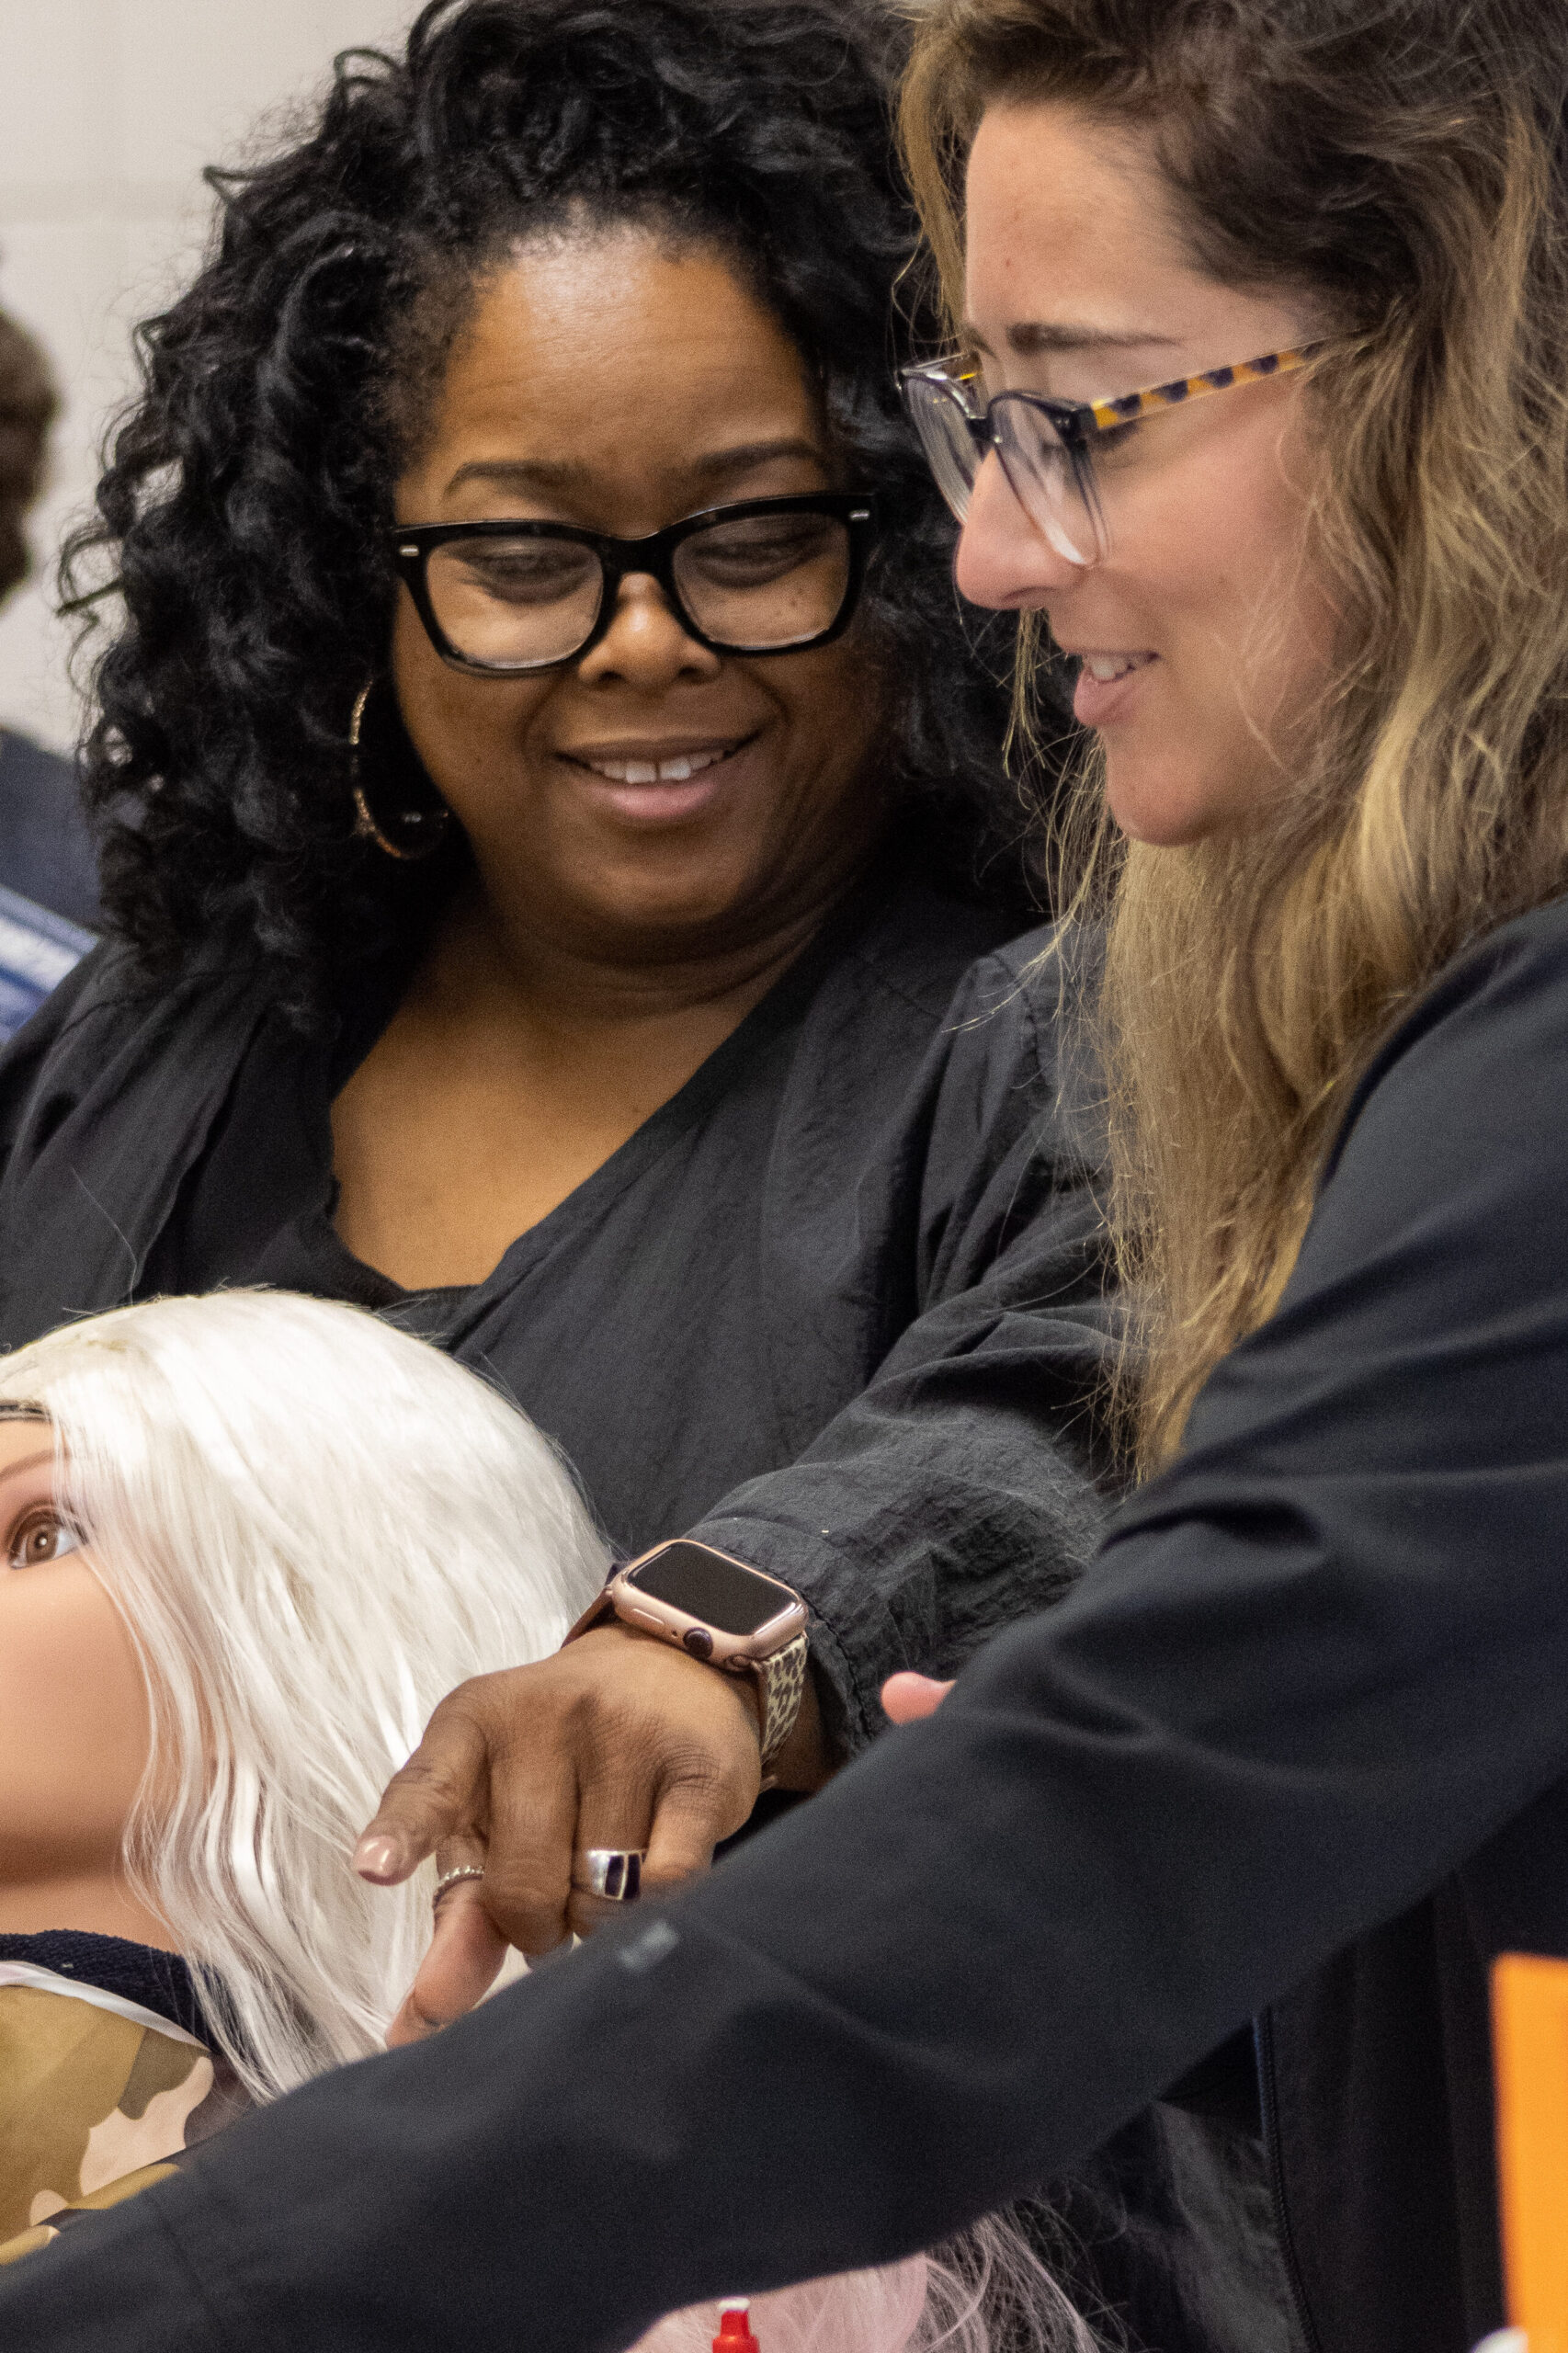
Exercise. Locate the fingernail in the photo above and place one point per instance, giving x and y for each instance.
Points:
(378, 1857)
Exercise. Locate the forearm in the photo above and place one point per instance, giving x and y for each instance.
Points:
(990, 1940)
(950, 1501)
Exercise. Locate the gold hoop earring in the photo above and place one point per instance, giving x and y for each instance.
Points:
(412, 833)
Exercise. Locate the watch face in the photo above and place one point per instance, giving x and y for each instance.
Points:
(722, 1593)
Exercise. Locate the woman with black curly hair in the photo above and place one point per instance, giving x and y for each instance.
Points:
(555, 861)
(551, 819)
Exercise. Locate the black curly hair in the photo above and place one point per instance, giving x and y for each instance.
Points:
(240, 517)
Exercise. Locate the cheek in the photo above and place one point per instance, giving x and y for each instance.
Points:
(74, 1724)
(1246, 635)
(469, 733)
(832, 705)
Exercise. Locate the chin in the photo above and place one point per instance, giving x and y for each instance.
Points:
(1164, 812)
(671, 904)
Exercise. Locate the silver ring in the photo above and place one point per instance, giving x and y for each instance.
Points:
(450, 1879)
(614, 1872)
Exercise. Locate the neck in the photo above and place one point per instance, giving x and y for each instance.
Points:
(578, 983)
(92, 1903)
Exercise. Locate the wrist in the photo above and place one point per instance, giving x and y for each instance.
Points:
(725, 1615)
(803, 1760)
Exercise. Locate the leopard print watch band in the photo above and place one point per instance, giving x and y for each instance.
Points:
(782, 1686)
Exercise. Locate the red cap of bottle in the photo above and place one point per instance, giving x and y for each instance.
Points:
(735, 2328)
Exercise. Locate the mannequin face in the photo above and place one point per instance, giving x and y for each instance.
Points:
(74, 1719)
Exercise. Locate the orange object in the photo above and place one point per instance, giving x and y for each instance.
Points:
(735, 2328)
(1530, 2034)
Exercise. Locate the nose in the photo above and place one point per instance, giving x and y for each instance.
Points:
(645, 645)
(1003, 559)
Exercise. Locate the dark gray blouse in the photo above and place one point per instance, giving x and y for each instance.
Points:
(836, 1306)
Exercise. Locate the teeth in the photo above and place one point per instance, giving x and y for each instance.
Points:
(680, 770)
(1107, 666)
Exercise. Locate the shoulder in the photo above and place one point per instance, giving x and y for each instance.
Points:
(931, 983)
(1441, 1201)
(999, 1044)
(959, 967)
(1018, 1028)
(107, 1033)
(102, 991)
(1483, 1055)
(85, 997)
(917, 945)
(1418, 1358)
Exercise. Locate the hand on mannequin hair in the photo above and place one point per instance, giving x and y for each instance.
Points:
(617, 1741)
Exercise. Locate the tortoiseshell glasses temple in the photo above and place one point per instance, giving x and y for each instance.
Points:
(1046, 447)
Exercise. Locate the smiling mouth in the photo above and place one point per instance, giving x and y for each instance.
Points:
(1107, 668)
(674, 767)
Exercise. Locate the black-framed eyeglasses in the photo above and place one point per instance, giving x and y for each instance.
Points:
(1047, 446)
(767, 576)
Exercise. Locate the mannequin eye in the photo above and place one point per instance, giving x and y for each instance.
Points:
(39, 1536)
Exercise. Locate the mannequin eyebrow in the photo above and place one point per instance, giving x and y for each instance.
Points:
(28, 1462)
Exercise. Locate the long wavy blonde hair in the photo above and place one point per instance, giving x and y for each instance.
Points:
(1399, 162)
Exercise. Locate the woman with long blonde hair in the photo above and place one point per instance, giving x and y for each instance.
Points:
(1258, 405)
(1348, 759)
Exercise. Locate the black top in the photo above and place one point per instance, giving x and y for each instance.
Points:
(1317, 1674)
(45, 851)
(836, 1305)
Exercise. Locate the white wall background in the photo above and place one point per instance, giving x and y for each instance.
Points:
(108, 109)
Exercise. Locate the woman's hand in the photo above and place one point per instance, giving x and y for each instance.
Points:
(907, 1698)
(621, 1740)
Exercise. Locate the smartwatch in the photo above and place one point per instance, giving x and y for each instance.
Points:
(718, 1609)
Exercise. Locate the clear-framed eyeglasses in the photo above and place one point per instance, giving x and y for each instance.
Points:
(1046, 447)
(766, 575)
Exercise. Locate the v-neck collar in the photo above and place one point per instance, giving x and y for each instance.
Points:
(773, 1016)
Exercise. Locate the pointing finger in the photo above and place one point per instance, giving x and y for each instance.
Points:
(439, 1792)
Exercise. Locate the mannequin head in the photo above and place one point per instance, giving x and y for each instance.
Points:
(251, 1540)
(74, 1718)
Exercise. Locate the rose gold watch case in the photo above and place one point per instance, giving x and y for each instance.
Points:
(734, 1653)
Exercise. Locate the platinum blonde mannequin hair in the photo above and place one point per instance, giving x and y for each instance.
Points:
(314, 1526)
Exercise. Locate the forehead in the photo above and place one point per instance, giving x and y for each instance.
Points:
(1059, 201)
(1073, 243)
(575, 334)
(23, 1439)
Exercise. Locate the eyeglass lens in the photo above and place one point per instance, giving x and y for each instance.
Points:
(756, 583)
(765, 580)
(509, 603)
(1039, 468)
